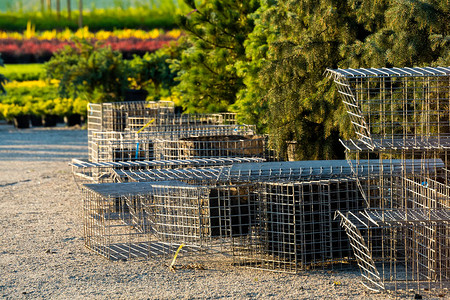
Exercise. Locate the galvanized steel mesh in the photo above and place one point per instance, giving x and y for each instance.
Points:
(400, 239)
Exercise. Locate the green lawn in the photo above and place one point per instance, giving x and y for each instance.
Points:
(22, 72)
(22, 68)
(34, 5)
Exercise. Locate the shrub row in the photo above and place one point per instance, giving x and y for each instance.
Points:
(99, 19)
(39, 100)
(37, 51)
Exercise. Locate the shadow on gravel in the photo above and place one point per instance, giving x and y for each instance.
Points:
(42, 144)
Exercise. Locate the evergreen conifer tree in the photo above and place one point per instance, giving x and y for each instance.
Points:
(412, 33)
(216, 31)
(303, 104)
(250, 104)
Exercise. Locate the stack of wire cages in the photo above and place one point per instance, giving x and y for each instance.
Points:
(148, 145)
(294, 229)
(112, 117)
(211, 146)
(127, 131)
(281, 213)
(153, 219)
(401, 238)
(241, 208)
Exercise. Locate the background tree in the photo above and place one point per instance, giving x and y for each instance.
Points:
(3, 79)
(216, 31)
(90, 72)
(312, 35)
(250, 104)
(153, 71)
(303, 105)
(411, 33)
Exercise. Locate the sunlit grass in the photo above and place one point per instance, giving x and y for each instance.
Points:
(21, 69)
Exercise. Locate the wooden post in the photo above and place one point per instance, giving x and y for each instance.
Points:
(80, 17)
(69, 10)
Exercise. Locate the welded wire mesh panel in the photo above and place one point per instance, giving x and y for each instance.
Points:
(401, 249)
(119, 225)
(109, 117)
(211, 146)
(397, 105)
(105, 146)
(201, 216)
(294, 227)
(378, 172)
(163, 122)
(154, 170)
(407, 246)
(114, 223)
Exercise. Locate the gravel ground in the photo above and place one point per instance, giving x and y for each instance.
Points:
(42, 253)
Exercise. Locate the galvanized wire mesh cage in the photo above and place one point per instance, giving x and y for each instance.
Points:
(211, 146)
(396, 106)
(294, 227)
(125, 220)
(400, 115)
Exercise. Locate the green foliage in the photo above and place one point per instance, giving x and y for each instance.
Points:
(97, 19)
(312, 35)
(39, 101)
(207, 70)
(24, 72)
(26, 100)
(89, 71)
(153, 71)
(302, 104)
(412, 33)
(3, 78)
(250, 105)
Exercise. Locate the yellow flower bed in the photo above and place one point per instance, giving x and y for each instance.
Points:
(30, 84)
(84, 32)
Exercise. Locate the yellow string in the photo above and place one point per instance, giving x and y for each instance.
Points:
(175, 257)
(146, 125)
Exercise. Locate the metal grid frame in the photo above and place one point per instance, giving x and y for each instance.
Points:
(112, 116)
(294, 228)
(401, 248)
(128, 146)
(151, 220)
(396, 105)
(401, 239)
(165, 122)
(115, 225)
(102, 172)
(211, 146)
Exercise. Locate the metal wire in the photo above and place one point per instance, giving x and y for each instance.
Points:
(401, 240)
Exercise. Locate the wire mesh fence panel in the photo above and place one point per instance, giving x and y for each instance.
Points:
(112, 117)
(390, 107)
(211, 146)
(117, 224)
(294, 227)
